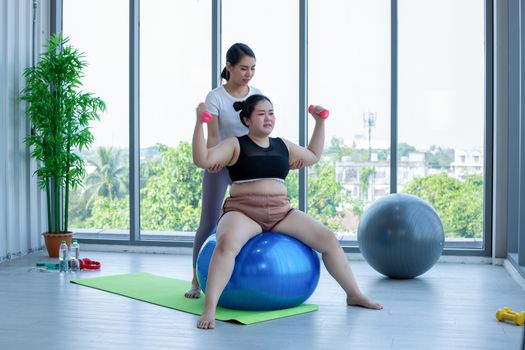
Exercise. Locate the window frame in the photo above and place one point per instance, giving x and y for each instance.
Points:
(348, 246)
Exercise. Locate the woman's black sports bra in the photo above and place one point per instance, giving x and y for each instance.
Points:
(256, 162)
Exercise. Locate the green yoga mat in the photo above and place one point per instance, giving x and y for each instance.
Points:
(169, 292)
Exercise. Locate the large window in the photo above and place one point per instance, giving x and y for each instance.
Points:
(271, 29)
(441, 112)
(175, 74)
(101, 207)
(273, 36)
(349, 73)
(438, 87)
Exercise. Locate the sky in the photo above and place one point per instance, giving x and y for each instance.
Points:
(441, 66)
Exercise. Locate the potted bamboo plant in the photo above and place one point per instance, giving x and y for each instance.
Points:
(60, 114)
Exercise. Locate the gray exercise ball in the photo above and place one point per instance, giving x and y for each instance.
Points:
(400, 236)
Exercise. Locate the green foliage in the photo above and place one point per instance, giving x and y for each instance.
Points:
(171, 192)
(338, 149)
(383, 154)
(109, 214)
(364, 180)
(459, 204)
(79, 211)
(358, 206)
(292, 187)
(360, 155)
(171, 199)
(325, 195)
(170, 195)
(60, 114)
(404, 149)
(440, 158)
(109, 178)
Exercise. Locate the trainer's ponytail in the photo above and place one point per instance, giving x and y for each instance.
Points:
(225, 74)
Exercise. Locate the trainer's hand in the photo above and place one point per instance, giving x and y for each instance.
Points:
(298, 164)
(215, 168)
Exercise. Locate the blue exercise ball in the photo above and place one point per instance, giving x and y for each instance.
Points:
(400, 236)
(272, 271)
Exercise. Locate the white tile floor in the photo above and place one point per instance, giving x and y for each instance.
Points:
(452, 306)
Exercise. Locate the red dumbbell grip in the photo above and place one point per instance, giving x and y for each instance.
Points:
(323, 114)
(206, 117)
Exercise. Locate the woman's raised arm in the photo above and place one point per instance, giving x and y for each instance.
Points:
(204, 157)
(313, 152)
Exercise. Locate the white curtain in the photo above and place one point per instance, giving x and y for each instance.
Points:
(24, 26)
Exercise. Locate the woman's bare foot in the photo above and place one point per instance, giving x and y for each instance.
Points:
(361, 300)
(194, 292)
(207, 320)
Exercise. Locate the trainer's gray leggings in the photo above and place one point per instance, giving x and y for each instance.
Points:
(214, 187)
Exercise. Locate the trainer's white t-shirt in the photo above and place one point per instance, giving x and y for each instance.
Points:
(220, 103)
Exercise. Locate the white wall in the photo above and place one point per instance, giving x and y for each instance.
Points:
(22, 218)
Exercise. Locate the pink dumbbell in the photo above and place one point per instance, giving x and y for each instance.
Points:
(206, 117)
(323, 114)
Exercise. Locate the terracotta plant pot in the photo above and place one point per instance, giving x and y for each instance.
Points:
(53, 241)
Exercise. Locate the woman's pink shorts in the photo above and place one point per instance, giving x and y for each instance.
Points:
(266, 210)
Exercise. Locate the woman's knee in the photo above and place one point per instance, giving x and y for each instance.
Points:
(227, 245)
(327, 241)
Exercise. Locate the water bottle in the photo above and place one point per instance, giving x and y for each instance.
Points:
(63, 257)
(75, 256)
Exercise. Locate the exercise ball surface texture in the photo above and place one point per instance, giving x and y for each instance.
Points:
(272, 271)
(400, 236)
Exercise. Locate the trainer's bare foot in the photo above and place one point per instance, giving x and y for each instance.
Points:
(361, 300)
(194, 292)
(207, 320)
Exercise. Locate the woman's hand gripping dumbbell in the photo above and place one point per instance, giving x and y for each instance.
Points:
(318, 110)
(203, 113)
